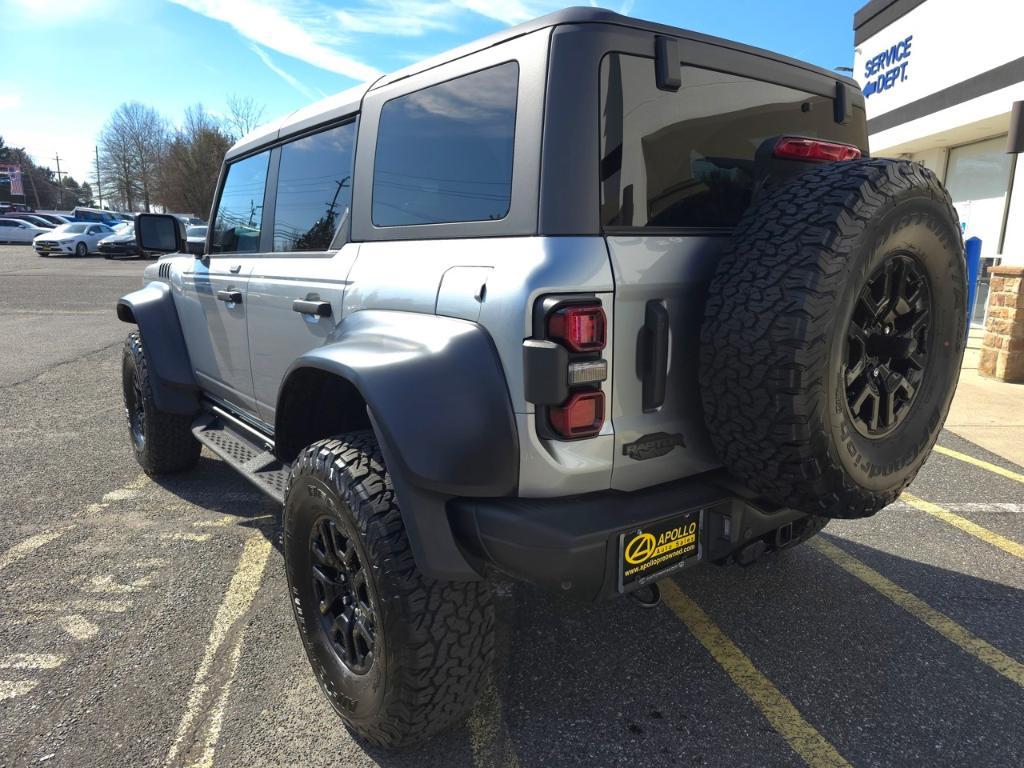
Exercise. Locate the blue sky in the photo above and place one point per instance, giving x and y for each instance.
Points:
(78, 59)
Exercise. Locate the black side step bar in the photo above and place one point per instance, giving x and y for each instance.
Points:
(243, 450)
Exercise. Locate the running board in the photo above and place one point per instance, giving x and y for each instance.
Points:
(241, 450)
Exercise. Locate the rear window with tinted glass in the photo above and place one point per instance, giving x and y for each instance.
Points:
(444, 153)
(686, 159)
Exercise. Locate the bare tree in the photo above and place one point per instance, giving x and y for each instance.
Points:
(132, 143)
(244, 114)
(148, 134)
(117, 165)
(189, 167)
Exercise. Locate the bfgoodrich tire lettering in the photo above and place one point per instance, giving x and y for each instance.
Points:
(433, 641)
(775, 345)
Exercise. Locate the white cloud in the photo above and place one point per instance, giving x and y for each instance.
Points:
(311, 31)
(298, 31)
(54, 12)
(293, 81)
(399, 18)
(509, 11)
(10, 98)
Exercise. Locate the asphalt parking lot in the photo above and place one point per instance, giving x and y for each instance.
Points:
(145, 622)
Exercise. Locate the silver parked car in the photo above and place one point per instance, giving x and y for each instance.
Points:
(18, 231)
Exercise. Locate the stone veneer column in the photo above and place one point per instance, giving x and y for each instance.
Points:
(1002, 349)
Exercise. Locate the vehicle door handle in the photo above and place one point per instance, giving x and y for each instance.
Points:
(653, 363)
(312, 307)
(230, 296)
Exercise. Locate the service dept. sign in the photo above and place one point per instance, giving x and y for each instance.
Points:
(887, 68)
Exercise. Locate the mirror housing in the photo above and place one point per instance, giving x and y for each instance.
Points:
(159, 233)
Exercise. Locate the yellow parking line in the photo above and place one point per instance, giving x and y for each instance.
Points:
(216, 714)
(965, 525)
(979, 463)
(11, 689)
(243, 587)
(30, 545)
(488, 732)
(31, 661)
(784, 717)
(919, 609)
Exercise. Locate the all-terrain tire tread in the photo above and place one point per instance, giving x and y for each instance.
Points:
(170, 445)
(448, 645)
(767, 327)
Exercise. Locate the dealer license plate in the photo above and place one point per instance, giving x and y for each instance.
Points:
(651, 551)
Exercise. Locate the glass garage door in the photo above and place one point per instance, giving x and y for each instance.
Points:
(977, 178)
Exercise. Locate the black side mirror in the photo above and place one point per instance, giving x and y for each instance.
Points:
(159, 233)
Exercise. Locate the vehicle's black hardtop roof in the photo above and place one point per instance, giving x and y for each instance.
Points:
(589, 15)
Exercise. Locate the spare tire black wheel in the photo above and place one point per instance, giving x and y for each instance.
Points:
(833, 335)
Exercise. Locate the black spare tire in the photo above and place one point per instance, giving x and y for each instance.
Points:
(833, 335)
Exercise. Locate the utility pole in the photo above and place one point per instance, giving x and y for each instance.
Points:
(31, 178)
(99, 186)
(60, 181)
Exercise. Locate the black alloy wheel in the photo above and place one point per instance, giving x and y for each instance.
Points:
(348, 616)
(887, 346)
(134, 406)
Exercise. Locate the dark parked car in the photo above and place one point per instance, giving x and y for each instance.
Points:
(121, 243)
(32, 218)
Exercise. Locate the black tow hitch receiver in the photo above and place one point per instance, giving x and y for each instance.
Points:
(648, 596)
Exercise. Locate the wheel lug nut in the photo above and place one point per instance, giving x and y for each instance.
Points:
(875, 373)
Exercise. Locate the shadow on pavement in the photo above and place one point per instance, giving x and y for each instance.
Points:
(612, 684)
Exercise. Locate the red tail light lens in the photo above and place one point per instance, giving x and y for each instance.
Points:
(581, 328)
(582, 415)
(796, 148)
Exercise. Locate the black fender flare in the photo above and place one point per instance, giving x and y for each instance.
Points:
(152, 309)
(439, 404)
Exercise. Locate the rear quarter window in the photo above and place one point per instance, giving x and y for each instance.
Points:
(444, 153)
(686, 159)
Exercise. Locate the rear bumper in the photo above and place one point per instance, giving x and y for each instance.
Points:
(572, 544)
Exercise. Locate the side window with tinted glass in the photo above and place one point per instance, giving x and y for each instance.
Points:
(314, 190)
(239, 217)
(444, 153)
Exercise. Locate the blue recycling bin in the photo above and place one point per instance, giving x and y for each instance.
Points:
(973, 250)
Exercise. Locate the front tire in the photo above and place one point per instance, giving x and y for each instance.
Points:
(162, 442)
(81, 250)
(399, 656)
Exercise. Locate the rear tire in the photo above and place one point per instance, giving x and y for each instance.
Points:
(162, 442)
(833, 335)
(399, 656)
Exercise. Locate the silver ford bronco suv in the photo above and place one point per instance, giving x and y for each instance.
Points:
(584, 303)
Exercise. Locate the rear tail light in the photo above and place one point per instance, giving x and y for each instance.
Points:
(582, 328)
(797, 148)
(582, 415)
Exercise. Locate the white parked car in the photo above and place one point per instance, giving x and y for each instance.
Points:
(18, 231)
(79, 238)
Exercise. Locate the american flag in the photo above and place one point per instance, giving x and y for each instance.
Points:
(16, 188)
(13, 175)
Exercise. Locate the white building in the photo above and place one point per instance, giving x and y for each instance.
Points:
(940, 78)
